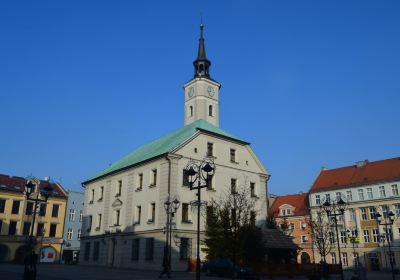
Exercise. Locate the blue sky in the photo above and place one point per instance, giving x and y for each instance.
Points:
(308, 83)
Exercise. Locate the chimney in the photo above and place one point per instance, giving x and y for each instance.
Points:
(361, 163)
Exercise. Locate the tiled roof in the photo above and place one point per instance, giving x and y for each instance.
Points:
(163, 146)
(298, 201)
(365, 173)
(275, 239)
(17, 184)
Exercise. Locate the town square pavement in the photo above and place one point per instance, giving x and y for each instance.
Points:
(76, 272)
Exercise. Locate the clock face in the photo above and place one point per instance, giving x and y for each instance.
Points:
(191, 92)
(211, 91)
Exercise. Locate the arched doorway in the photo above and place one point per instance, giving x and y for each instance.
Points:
(21, 253)
(305, 258)
(4, 253)
(47, 255)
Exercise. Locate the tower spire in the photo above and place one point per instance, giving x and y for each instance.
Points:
(201, 64)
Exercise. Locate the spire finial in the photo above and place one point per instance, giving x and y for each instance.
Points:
(201, 64)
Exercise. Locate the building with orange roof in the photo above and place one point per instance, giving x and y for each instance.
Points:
(368, 188)
(291, 213)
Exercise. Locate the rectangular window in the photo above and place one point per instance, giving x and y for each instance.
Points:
(96, 250)
(363, 214)
(140, 178)
(42, 209)
(78, 236)
(29, 208)
(253, 189)
(184, 249)
(101, 194)
(395, 190)
(349, 195)
(343, 237)
(369, 193)
(338, 196)
(366, 236)
(92, 196)
(138, 214)
(152, 217)
(385, 211)
(69, 234)
(40, 229)
(90, 221)
(185, 179)
(71, 214)
(292, 226)
(135, 249)
(26, 229)
(117, 214)
(319, 217)
(372, 212)
(15, 207)
(397, 209)
(2, 205)
(331, 237)
(12, 228)
(328, 197)
(233, 186)
(389, 234)
(53, 230)
(119, 188)
(210, 149)
(185, 212)
(154, 175)
(87, 251)
(317, 199)
(352, 212)
(344, 259)
(303, 239)
(333, 257)
(149, 249)
(375, 235)
(382, 192)
(233, 155)
(80, 216)
(360, 194)
(253, 217)
(98, 221)
(54, 211)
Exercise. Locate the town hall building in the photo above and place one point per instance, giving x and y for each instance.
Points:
(124, 215)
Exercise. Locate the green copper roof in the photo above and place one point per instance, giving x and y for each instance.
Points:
(163, 145)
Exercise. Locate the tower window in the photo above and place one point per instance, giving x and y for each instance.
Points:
(210, 110)
(191, 111)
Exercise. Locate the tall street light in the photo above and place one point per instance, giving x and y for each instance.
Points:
(202, 174)
(387, 220)
(334, 210)
(34, 193)
(171, 207)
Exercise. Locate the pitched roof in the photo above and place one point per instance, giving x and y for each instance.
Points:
(163, 146)
(363, 173)
(17, 184)
(298, 201)
(275, 239)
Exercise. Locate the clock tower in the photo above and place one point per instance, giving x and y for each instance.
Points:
(202, 92)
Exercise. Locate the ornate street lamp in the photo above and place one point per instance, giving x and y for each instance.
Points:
(387, 220)
(34, 193)
(171, 207)
(202, 174)
(334, 210)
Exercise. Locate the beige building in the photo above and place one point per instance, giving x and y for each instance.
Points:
(16, 221)
(368, 188)
(124, 214)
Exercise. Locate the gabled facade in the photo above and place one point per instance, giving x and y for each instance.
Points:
(367, 187)
(291, 213)
(124, 214)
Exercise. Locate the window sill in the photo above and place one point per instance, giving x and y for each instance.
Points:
(100, 199)
(150, 222)
(118, 195)
(187, 222)
(91, 202)
(234, 162)
(138, 189)
(211, 189)
(152, 186)
(97, 228)
(255, 196)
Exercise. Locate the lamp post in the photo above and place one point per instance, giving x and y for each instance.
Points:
(334, 210)
(387, 220)
(202, 174)
(171, 207)
(353, 237)
(38, 196)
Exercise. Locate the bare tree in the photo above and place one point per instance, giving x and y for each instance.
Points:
(321, 234)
